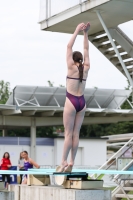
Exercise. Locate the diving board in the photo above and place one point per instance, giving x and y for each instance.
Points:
(53, 172)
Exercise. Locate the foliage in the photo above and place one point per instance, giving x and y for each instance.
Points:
(4, 91)
(19, 132)
(61, 85)
(45, 132)
(51, 84)
(126, 105)
(97, 130)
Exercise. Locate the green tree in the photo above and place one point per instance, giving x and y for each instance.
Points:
(4, 91)
(61, 85)
(51, 84)
(126, 104)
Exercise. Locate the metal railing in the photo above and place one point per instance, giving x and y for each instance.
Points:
(117, 179)
(119, 153)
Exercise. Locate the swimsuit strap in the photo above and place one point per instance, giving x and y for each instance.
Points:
(75, 78)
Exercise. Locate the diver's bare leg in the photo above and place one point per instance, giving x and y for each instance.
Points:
(68, 120)
(75, 142)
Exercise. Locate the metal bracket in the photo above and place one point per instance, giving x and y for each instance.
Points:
(17, 100)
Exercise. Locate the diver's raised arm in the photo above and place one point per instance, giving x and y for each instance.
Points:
(70, 44)
(86, 46)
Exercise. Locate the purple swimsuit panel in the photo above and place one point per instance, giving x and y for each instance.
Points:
(78, 102)
(27, 166)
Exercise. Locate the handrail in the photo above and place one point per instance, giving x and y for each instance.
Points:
(116, 180)
(114, 156)
(124, 169)
(116, 153)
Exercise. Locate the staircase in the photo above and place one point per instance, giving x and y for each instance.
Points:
(123, 43)
(125, 186)
(118, 194)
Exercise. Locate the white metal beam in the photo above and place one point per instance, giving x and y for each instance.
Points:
(24, 121)
(29, 113)
(11, 112)
(115, 48)
(48, 113)
(33, 138)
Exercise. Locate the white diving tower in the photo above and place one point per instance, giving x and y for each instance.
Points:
(105, 16)
(105, 35)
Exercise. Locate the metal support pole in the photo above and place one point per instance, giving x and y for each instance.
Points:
(46, 9)
(49, 8)
(33, 139)
(115, 49)
(4, 131)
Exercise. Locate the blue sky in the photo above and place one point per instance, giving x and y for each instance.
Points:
(29, 56)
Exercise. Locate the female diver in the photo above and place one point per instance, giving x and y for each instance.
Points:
(75, 106)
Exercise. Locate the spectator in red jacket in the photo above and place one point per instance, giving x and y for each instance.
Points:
(5, 165)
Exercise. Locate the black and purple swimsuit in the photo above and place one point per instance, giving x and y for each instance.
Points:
(27, 166)
(77, 101)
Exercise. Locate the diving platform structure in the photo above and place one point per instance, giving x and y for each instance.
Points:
(104, 16)
(42, 106)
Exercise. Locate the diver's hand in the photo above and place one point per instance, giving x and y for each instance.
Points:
(86, 27)
(80, 27)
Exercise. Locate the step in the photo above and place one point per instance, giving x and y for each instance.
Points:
(97, 34)
(101, 39)
(112, 52)
(123, 195)
(128, 188)
(128, 63)
(107, 45)
(102, 43)
(124, 57)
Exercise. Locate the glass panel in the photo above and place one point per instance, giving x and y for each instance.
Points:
(42, 15)
(58, 6)
(54, 7)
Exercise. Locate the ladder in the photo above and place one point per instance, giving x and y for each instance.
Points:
(123, 44)
(121, 191)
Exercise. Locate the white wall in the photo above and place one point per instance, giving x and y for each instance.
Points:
(45, 155)
(90, 152)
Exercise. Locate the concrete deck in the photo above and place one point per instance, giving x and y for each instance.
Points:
(5, 195)
(57, 193)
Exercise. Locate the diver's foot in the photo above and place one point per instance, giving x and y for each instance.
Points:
(68, 168)
(61, 167)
